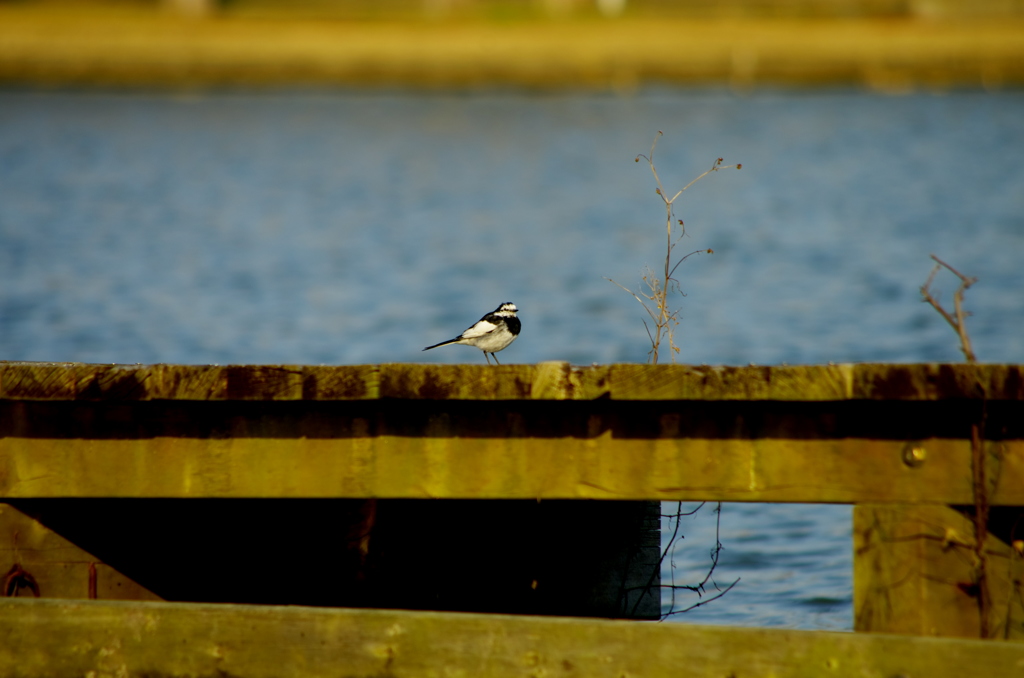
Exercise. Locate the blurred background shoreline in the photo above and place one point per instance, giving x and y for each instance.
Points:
(611, 45)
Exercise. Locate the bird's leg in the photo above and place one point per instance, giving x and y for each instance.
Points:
(488, 358)
(495, 359)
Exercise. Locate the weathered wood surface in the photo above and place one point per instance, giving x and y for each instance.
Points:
(54, 567)
(914, 572)
(54, 638)
(601, 467)
(544, 381)
(864, 433)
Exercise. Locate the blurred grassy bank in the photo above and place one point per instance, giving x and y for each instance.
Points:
(135, 44)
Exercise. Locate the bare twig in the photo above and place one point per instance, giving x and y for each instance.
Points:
(649, 587)
(705, 601)
(956, 320)
(668, 547)
(655, 302)
(981, 512)
(635, 296)
(979, 470)
(700, 587)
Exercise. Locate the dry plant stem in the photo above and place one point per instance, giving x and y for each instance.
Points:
(979, 475)
(700, 587)
(956, 320)
(663, 318)
(981, 511)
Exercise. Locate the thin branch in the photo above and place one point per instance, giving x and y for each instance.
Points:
(926, 293)
(967, 282)
(707, 251)
(637, 297)
(699, 587)
(665, 320)
(957, 319)
(979, 471)
(647, 327)
(656, 571)
(717, 167)
(704, 601)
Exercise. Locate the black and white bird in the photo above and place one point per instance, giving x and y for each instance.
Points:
(490, 334)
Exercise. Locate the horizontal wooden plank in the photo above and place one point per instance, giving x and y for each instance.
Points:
(603, 467)
(544, 381)
(803, 434)
(55, 638)
(847, 451)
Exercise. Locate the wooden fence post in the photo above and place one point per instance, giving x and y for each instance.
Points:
(914, 571)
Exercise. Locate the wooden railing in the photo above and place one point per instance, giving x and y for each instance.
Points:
(903, 443)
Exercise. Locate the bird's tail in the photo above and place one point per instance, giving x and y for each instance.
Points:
(443, 343)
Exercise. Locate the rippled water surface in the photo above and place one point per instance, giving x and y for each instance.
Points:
(358, 227)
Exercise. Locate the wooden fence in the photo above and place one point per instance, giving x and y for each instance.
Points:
(925, 453)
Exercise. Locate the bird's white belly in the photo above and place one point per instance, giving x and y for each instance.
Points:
(494, 341)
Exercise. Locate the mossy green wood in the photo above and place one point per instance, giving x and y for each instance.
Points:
(54, 638)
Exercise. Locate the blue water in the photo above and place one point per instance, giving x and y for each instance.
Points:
(358, 227)
(791, 565)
